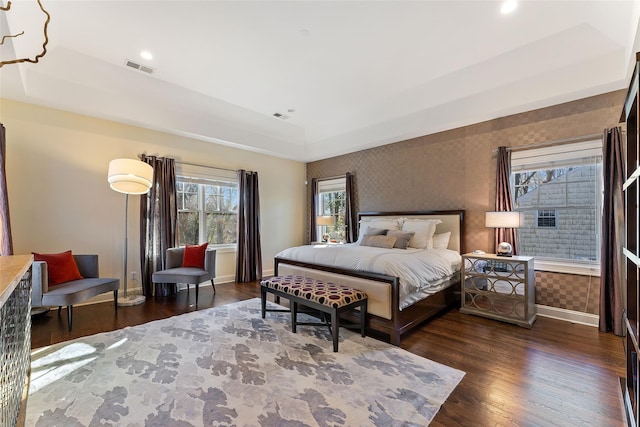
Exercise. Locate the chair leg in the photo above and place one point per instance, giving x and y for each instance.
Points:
(213, 286)
(197, 287)
(69, 315)
(115, 299)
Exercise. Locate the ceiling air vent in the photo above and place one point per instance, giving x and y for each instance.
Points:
(143, 68)
(280, 116)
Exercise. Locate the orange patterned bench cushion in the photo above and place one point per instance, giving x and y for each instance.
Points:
(325, 293)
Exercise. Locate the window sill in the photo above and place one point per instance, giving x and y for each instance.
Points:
(567, 268)
(221, 249)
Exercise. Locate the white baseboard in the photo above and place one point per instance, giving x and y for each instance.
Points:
(267, 273)
(136, 290)
(542, 310)
(568, 315)
(107, 296)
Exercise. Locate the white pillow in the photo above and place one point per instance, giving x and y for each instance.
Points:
(387, 224)
(423, 229)
(441, 241)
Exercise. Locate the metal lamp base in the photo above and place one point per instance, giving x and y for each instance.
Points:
(131, 300)
(504, 249)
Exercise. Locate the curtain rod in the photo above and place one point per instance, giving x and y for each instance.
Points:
(555, 142)
(207, 166)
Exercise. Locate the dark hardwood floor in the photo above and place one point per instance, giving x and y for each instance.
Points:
(556, 373)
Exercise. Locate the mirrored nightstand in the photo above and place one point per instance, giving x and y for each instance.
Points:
(498, 287)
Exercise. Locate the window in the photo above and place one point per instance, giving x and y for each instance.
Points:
(207, 205)
(546, 218)
(332, 195)
(559, 190)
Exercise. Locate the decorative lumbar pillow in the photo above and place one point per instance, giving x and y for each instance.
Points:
(61, 267)
(387, 224)
(378, 241)
(370, 230)
(194, 255)
(441, 241)
(423, 229)
(402, 238)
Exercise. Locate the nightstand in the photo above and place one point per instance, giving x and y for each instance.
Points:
(498, 287)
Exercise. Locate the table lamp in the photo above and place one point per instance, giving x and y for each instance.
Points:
(327, 221)
(505, 220)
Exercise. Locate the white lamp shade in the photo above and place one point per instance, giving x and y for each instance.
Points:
(130, 176)
(504, 219)
(326, 220)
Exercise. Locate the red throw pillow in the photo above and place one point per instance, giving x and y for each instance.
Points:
(60, 267)
(194, 255)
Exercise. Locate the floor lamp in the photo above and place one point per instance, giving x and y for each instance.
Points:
(129, 176)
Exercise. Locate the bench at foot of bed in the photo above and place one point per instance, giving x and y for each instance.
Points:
(326, 297)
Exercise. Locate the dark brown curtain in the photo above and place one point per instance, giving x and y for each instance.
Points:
(611, 300)
(6, 242)
(503, 199)
(313, 231)
(249, 260)
(350, 217)
(158, 219)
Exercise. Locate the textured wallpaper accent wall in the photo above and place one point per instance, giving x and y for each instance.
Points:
(455, 169)
(568, 291)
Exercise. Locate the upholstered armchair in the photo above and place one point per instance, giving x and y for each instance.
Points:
(74, 291)
(174, 271)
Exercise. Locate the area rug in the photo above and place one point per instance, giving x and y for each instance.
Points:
(226, 366)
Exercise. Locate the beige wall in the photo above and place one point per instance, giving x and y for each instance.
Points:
(59, 197)
(456, 170)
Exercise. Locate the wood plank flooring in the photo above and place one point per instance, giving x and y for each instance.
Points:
(555, 374)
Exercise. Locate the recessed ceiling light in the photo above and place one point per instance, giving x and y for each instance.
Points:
(145, 54)
(508, 6)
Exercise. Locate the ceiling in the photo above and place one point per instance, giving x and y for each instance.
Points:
(345, 75)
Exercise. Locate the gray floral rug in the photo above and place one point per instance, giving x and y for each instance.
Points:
(225, 366)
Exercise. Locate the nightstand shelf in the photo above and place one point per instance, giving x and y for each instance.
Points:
(500, 288)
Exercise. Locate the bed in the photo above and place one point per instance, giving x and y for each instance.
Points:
(399, 300)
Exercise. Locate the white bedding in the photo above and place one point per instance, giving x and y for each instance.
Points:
(419, 270)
